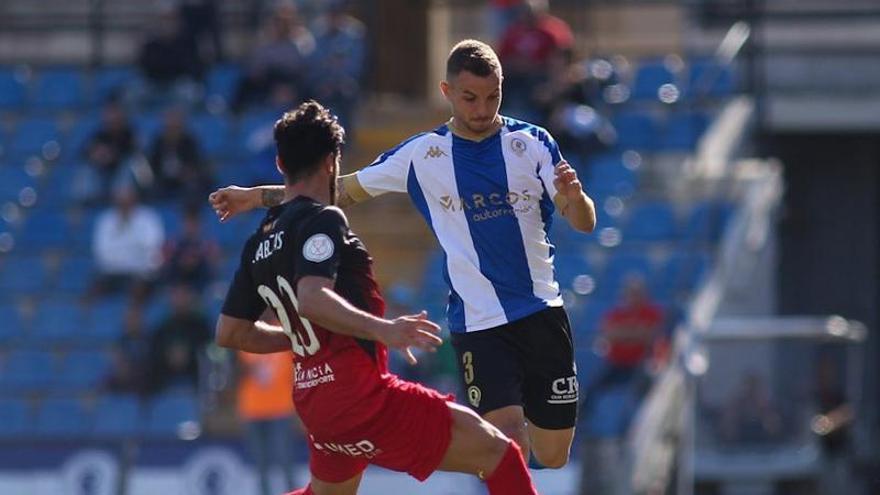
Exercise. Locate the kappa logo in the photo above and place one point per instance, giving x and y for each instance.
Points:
(435, 152)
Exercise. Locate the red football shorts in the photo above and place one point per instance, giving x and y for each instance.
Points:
(410, 434)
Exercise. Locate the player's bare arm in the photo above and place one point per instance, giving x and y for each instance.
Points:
(320, 304)
(573, 202)
(256, 337)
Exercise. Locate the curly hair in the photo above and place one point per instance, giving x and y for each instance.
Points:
(304, 137)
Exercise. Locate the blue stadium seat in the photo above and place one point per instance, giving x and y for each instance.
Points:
(651, 221)
(109, 82)
(80, 134)
(212, 132)
(106, 321)
(12, 180)
(27, 371)
(569, 265)
(13, 326)
(147, 126)
(46, 228)
(650, 75)
(58, 321)
(683, 131)
(62, 417)
(680, 274)
(83, 370)
(620, 265)
(23, 275)
(707, 221)
(223, 81)
(76, 274)
(608, 175)
(13, 417)
(59, 89)
(610, 414)
(635, 130)
(117, 415)
(31, 135)
(167, 412)
(13, 90)
(255, 132)
(708, 78)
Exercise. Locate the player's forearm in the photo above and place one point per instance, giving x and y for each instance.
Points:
(255, 337)
(581, 213)
(327, 308)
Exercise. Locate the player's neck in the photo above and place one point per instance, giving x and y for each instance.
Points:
(463, 132)
(314, 187)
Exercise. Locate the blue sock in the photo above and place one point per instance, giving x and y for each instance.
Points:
(533, 462)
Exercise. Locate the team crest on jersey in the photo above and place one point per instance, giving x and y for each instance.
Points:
(434, 152)
(318, 248)
(474, 395)
(518, 146)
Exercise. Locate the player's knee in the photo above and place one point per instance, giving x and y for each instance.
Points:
(552, 458)
(515, 430)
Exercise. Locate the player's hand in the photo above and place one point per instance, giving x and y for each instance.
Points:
(232, 200)
(567, 183)
(411, 331)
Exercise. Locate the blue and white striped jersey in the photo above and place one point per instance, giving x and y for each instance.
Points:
(490, 205)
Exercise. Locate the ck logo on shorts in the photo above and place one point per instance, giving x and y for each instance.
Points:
(474, 395)
(564, 391)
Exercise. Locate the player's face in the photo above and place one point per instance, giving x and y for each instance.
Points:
(475, 100)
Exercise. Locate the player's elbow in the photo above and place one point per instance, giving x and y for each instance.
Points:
(224, 335)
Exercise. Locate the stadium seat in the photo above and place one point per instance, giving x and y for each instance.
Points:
(255, 132)
(708, 78)
(651, 221)
(166, 413)
(23, 275)
(46, 228)
(59, 89)
(13, 90)
(147, 126)
(681, 273)
(58, 321)
(620, 265)
(30, 136)
(117, 415)
(13, 417)
(27, 371)
(106, 320)
(62, 417)
(635, 130)
(683, 131)
(608, 175)
(707, 221)
(83, 370)
(13, 327)
(569, 265)
(76, 274)
(108, 82)
(80, 133)
(650, 75)
(12, 180)
(212, 132)
(222, 82)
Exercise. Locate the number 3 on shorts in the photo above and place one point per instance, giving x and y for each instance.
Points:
(467, 360)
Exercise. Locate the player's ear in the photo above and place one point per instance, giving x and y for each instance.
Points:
(278, 165)
(445, 88)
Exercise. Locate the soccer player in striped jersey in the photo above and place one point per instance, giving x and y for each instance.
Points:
(487, 186)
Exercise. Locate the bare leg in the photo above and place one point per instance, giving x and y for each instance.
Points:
(512, 422)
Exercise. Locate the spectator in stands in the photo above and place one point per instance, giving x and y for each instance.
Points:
(537, 45)
(127, 246)
(628, 334)
(502, 14)
(750, 416)
(340, 51)
(179, 169)
(129, 355)
(169, 62)
(201, 21)
(178, 342)
(266, 409)
(276, 69)
(190, 259)
(105, 151)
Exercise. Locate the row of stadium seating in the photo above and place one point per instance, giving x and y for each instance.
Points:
(52, 89)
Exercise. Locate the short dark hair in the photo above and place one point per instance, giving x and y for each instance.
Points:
(473, 56)
(304, 136)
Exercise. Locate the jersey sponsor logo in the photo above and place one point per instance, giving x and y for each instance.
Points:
(434, 152)
(475, 395)
(269, 246)
(518, 146)
(314, 376)
(364, 448)
(564, 391)
(318, 248)
(491, 205)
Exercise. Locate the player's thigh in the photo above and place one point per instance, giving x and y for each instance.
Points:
(491, 370)
(551, 387)
(347, 487)
(476, 446)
